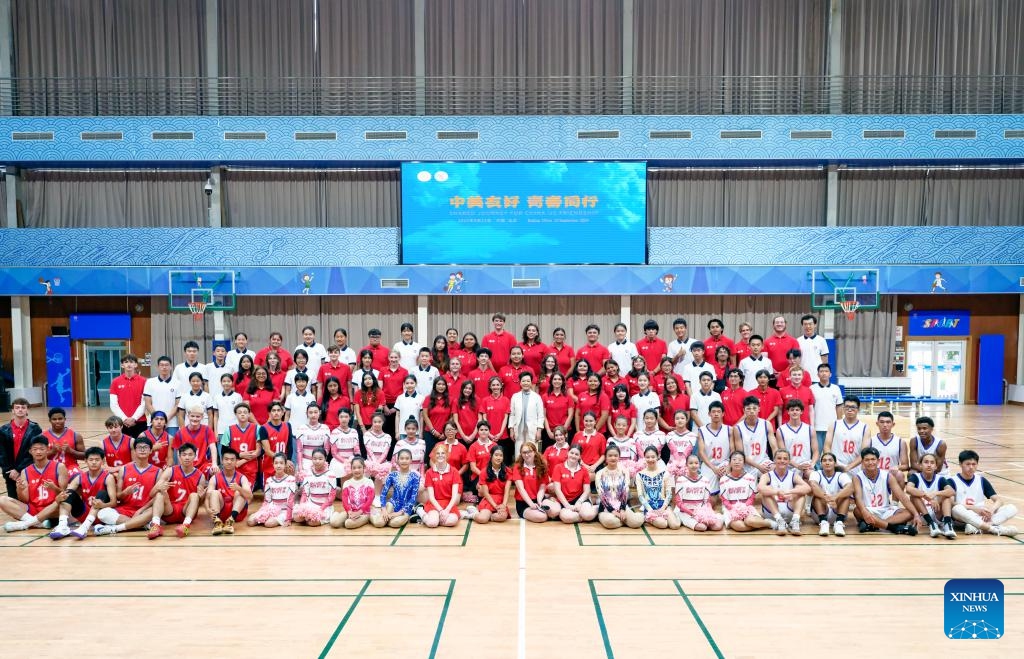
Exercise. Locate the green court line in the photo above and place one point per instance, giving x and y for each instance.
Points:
(579, 536)
(313, 580)
(691, 595)
(650, 540)
(1004, 478)
(465, 536)
(344, 621)
(444, 615)
(398, 535)
(782, 543)
(700, 623)
(600, 621)
(768, 579)
(25, 544)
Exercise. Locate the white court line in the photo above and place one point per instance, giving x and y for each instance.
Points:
(522, 590)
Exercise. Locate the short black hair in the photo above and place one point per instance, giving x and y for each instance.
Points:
(871, 450)
(94, 450)
(191, 344)
(924, 419)
(227, 450)
(967, 454)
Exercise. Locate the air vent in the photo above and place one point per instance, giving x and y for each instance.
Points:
(236, 135)
(458, 135)
(525, 283)
(172, 135)
(315, 137)
(956, 134)
(27, 137)
(100, 136)
(884, 134)
(1013, 134)
(810, 134)
(740, 134)
(670, 134)
(1022, 281)
(597, 134)
(386, 135)
(394, 283)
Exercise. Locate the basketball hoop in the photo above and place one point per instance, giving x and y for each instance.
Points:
(850, 308)
(198, 308)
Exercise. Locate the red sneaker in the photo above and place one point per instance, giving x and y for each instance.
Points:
(182, 531)
(155, 531)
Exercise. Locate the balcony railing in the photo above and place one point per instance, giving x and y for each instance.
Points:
(517, 95)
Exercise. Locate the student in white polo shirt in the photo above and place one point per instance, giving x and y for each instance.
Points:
(347, 354)
(813, 349)
(679, 348)
(316, 353)
(828, 404)
(622, 349)
(694, 367)
(218, 367)
(408, 350)
(425, 372)
(241, 348)
(700, 402)
(161, 394)
(754, 362)
(185, 369)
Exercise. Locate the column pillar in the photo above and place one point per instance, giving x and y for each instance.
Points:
(627, 56)
(420, 54)
(422, 309)
(835, 56)
(6, 59)
(212, 24)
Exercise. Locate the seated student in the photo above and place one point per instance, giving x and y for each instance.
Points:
(692, 496)
(782, 493)
(317, 492)
(874, 489)
(87, 492)
(926, 443)
(182, 488)
(612, 484)
(137, 483)
(229, 494)
(977, 505)
(398, 494)
(570, 483)
(442, 484)
(242, 437)
(654, 490)
(495, 488)
(531, 477)
(117, 447)
(738, 490)
(933, 494)
(357, 499)
(798, 439)
(39, 485)
(479, 453)
(830, 492)
(275, 436)
(279, 490)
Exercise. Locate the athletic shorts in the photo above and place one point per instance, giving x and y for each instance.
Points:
(225, 512)
(177, 514)
(884, 512)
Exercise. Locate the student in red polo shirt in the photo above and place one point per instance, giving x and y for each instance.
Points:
(769, 398)
(716, 328)
(392, 381)
(570, 482)
(495, 408)
(558, 408)
(499, 342)
(742, 347)
(126, 397)
(593, 352)
(530, 475)
(455, 376)
(533, 349)
(335, 368)
(441, 482)
(793, 357)
(275, 341)
(482, 374)
(511, 372)
(732, 397)
(380, 352)
(593, 400)
(778, 344)
(652, 348)
(565, 356)
(795, 389)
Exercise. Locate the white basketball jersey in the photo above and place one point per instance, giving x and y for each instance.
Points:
(932, 450)
(797, 442)
(830, 486)
(968, 494)
(928, 487)
(755, 440)
(846, 441)
(876, 491)
(716, 445)
(888, 452)
(691, 492)
(737, 490)
(784, 482)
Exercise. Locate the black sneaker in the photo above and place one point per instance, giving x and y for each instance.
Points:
(863, 527)
(905, 529)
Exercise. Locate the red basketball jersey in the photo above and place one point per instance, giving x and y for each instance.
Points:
(202, 439)
(146, 478)
(243, 441)
(118, 454)
(40, 496)
(67, 438)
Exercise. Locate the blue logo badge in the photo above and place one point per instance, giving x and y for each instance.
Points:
(974, 609)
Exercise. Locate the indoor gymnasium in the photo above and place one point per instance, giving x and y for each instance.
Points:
(512, 328)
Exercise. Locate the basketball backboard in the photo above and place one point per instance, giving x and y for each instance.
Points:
(214, 287)
(830, 289)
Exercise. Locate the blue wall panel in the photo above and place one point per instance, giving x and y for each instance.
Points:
(991, 351)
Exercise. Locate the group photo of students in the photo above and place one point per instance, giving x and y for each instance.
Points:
(703, 434)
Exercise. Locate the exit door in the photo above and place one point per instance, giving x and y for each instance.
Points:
(936, 368)
(102, 365)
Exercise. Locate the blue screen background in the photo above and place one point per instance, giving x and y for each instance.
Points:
(439, 227)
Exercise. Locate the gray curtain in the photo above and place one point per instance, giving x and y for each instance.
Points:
(731, 198)
(160, 40)
(113, 198)
(931, 197)
(933, 38)
(366, 38)
(308, 198)
(267, 47)
(537, 56)
(708, 42)
(864, 345)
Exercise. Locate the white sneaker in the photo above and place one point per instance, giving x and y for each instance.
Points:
(11, 527)
(780, 525)
(1005, 529)
(933, 530)
(971, 529)
(839, 529)
(823, 528)
(62, 531)
(947, 531)
(104, 529)
(794, 526)
(464, 514)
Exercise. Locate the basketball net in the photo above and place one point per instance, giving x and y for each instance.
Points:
(850, 308)
(198, 308)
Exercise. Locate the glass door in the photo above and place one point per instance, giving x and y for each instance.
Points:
(920, 367)
(102, 365)
(936, 368)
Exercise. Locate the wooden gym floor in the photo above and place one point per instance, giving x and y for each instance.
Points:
(461, 592)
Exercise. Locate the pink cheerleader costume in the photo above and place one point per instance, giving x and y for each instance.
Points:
(737, 494)
(377, 446)
(644, 439)
(628, 456)
(418, 450)
(317, 498)
(357, 495)
(278, 500)
(307, 439)
(680, 446)
(344, 445)
(692, 502)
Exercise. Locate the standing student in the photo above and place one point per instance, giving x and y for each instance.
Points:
(564, 355)
(595, 401)
(479, 453)
(813, 348)
(783, 492)
(315, 352)
(644, 400)
(769, 398)
(847, 436)
(161, 441)
(335, 399)
(316, 493)
(654, 490)
(532, 347)
(697, 367)
(495, 409)
(733, 396)
(184, 370)
(577, 381)
(398, 494)
(368, 402)
(703, 399)
(335, 368)
(117, 447)
(279, 381)
(345, 352)
(126, 402)
(242, 438)
(309, 436)
(592, 351)
(681, 444)
(377, 445)
(629, 454)
(240, 348)
(754, 363)
(638, 368)
(482, 374)
(302, 366)
(202, 438)
(260, 395)
(161, 394)
(795, 437)
(976, 504)
(558, 408)
(413, 444)
(514, 370)
(66, 446)
(794, 390)
(831, 493)
(380, 352)
(622, 350)
(570, 483)
(592, 444)
(224, 402)
(752, 437)
(693, 494)
(673, 400)
(279, 491)
(299, 398)
(409, 403)
(466, 413)
(439, 355)
(926, 443)
(244, 374)
(15, 441)
(714, 445)
(548, 367)
(556, 454)
(717, 339)
(612, 485)
(652, 347)
(470, 346)
(679, 348)
(828, 404)
(742, 347)
(275, 436)
(274, 344)
(779, 344)
(364, 368)
(437, 411)
(392, 385)
(499, 342)
(892, 450)
(194, 396)
(357, 499)
(217, 367)
(343, 445)
(494, 488)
